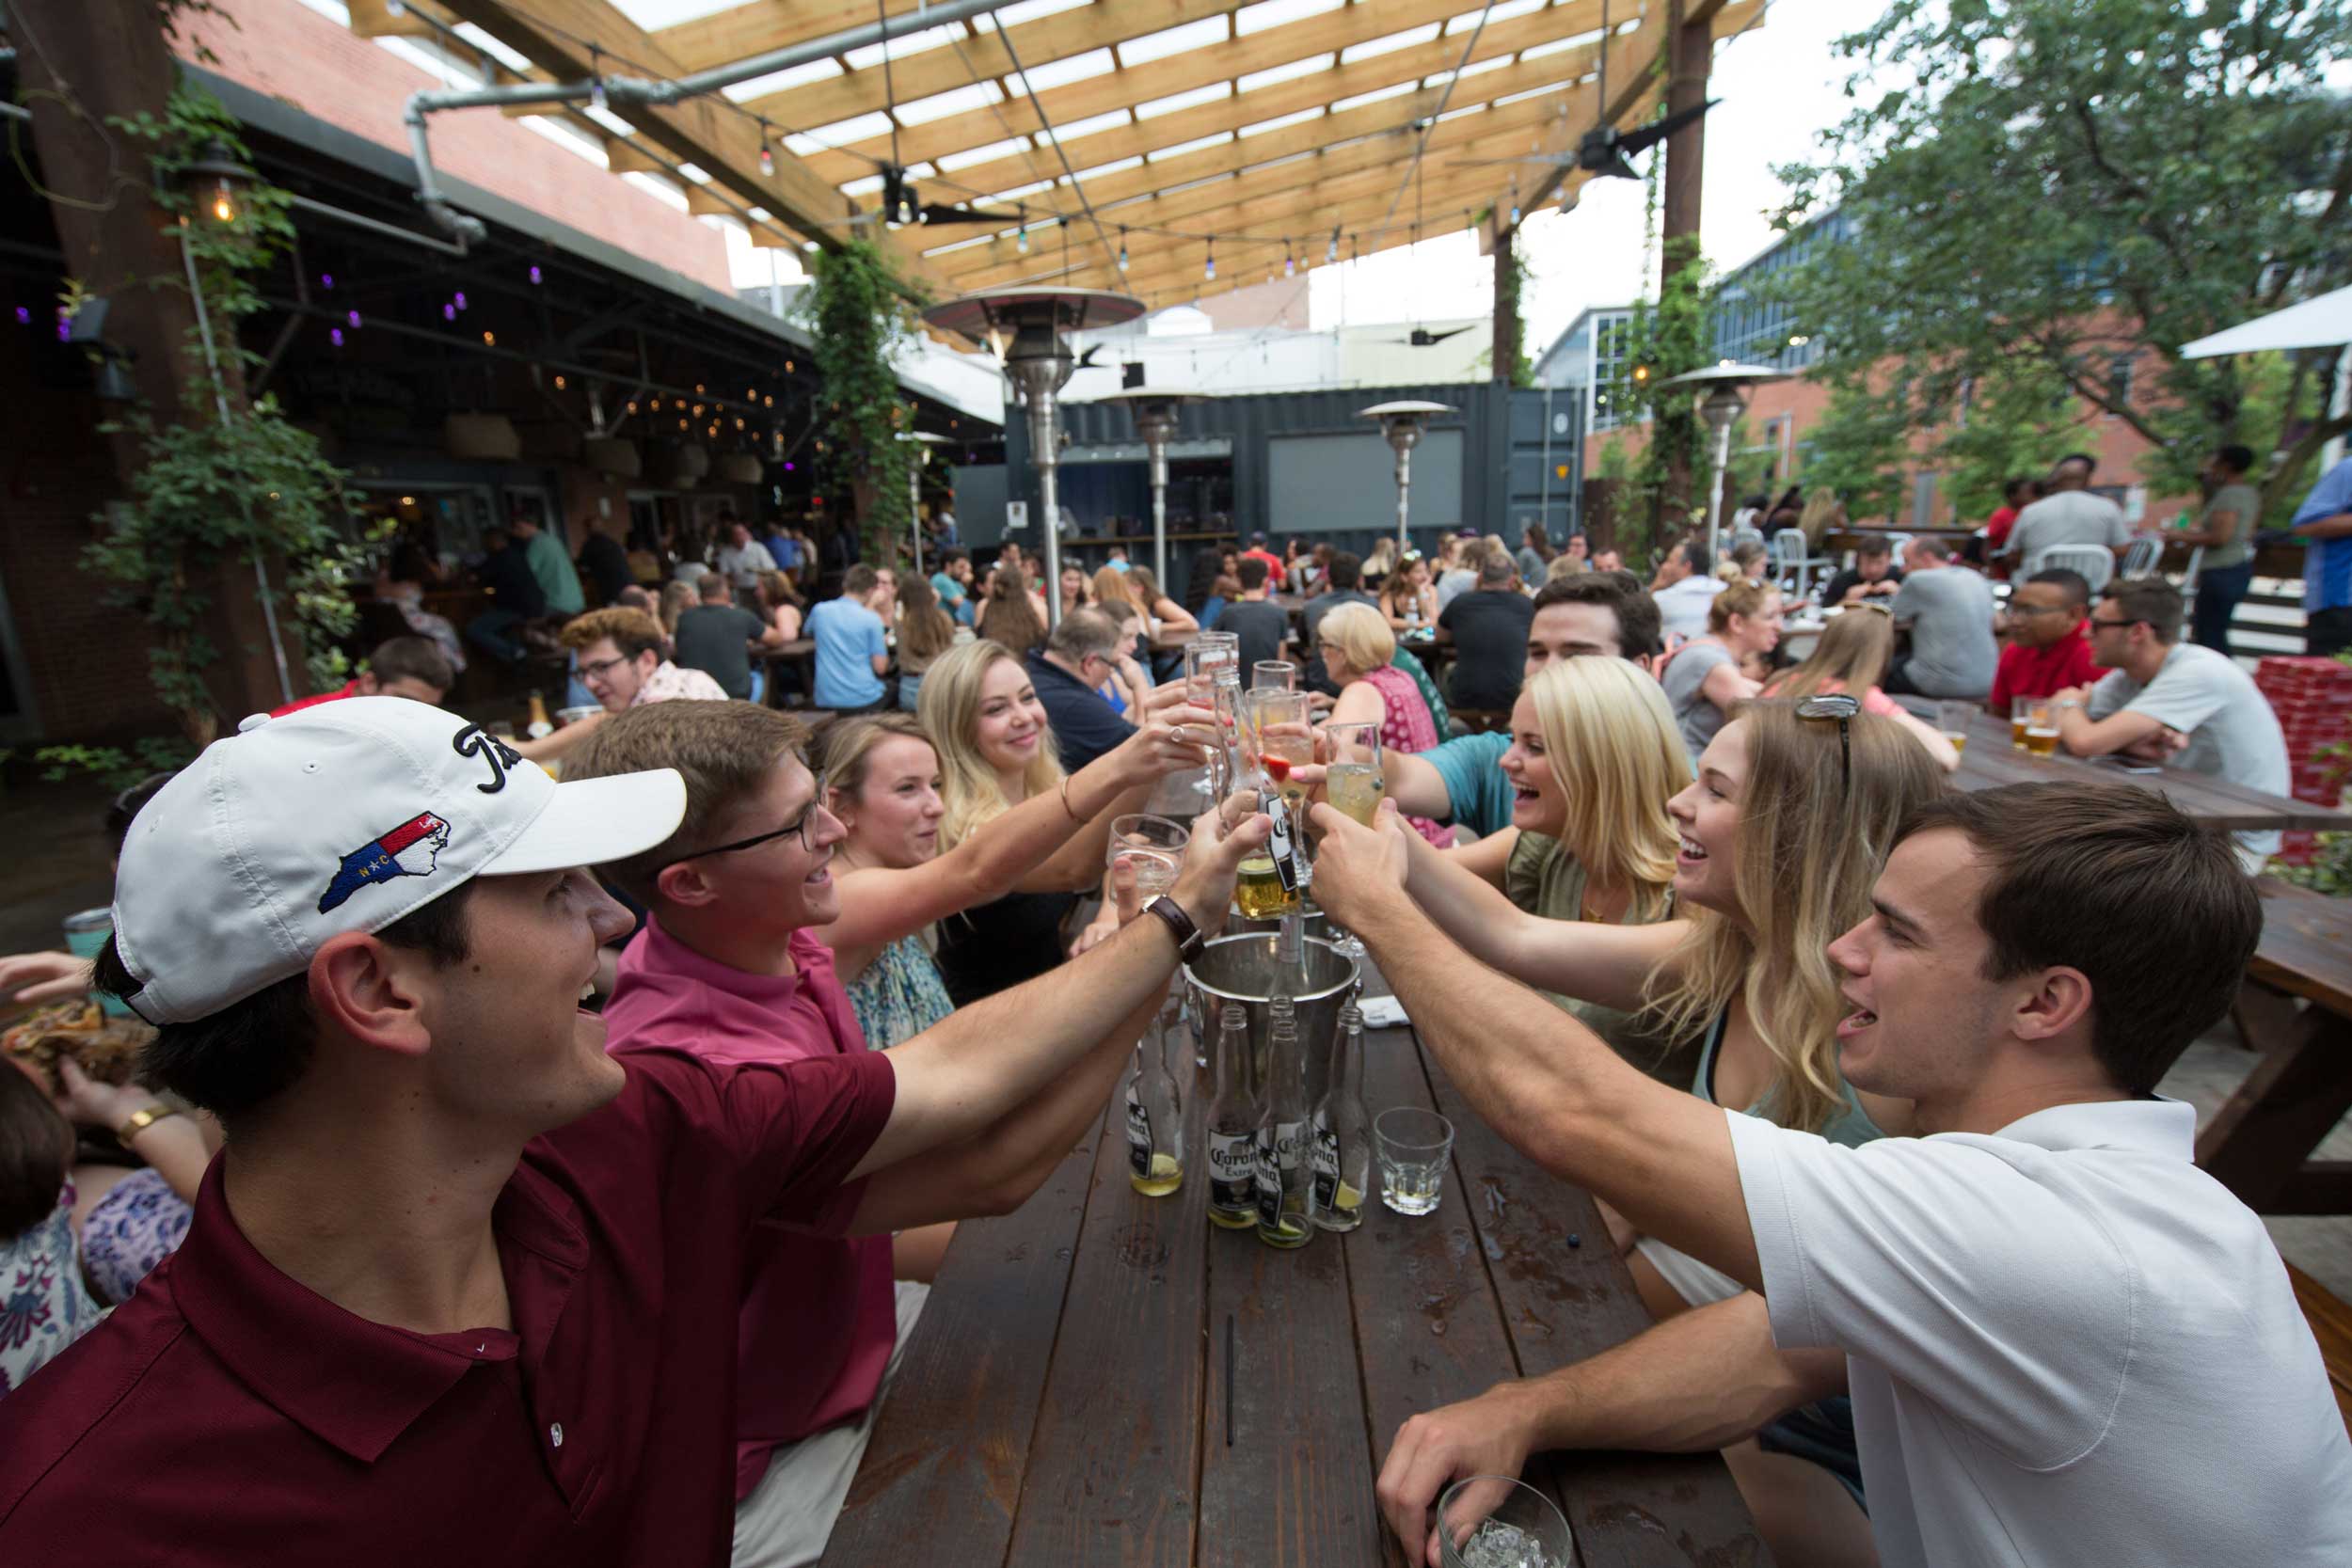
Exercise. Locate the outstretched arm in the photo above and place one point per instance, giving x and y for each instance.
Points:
(1554, 1090)
(978, 1064)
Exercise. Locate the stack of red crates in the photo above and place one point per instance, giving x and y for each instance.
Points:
(2313, 698)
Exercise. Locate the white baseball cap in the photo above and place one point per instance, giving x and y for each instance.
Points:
(345, 817)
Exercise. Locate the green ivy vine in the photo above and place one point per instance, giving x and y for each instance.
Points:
(863, 316)
(232, 483)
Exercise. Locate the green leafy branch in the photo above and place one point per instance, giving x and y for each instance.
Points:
(863, 315)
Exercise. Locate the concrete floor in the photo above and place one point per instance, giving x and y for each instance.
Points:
(57, 865)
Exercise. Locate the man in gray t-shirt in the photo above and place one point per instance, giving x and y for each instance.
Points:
(1949, 611)
(2164, 699)
(2069, 513)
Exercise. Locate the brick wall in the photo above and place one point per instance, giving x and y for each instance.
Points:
(2313, 698)
(283, 48)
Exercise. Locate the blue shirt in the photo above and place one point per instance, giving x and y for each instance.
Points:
(1480, 792)
(849, 635)
(785, 552)
(2327, 563)
(1083, 723)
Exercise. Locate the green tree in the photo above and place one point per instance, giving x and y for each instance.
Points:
(2065, 183)
(2015, 423)
(1860, 449)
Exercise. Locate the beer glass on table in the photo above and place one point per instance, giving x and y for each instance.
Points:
(2042, 736)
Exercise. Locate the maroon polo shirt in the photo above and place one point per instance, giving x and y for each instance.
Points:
(227, 1415)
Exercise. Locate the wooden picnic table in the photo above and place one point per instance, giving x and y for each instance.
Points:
(2259, 1143)
(1063, 1398)
(1988, 760)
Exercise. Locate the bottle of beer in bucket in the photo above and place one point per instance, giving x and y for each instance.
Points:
(1342, 1156)
(1285, 1184)
(1232, 1124)
(1155, 1165)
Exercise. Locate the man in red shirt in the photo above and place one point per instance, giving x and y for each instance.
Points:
(411, 667)
(729, 967)
(1257, 551)
(2017, 495)
(2049, 647)
(463, 1287)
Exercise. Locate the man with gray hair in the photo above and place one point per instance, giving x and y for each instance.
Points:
(1069, 671)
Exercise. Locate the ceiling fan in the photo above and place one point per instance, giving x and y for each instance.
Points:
(1604, 150)
(1423, 338)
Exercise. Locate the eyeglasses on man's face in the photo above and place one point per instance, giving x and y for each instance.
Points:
(798, 829)
(2125, 621)
(598, 668)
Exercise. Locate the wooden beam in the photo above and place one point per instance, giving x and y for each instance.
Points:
(739, 32)
(623, 157)
(1274, 103)
(553, 35)
(1380, 123)
(703, 202)
(1224, 62)
(1062, 36)
(376, 19)
(1496, 132)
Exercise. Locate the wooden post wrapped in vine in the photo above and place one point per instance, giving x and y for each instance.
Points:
(863, 316)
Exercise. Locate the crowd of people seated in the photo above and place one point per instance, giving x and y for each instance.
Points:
(411, 1256)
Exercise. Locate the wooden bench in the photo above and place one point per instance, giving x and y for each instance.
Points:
(2259, 1145)
(2331, 1324)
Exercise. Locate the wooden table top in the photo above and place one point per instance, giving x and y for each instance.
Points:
(1988, 761)
(2306, 949)
(1062, 1399)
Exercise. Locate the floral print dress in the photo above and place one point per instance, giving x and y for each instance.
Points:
(44, 1308)
(900, 995)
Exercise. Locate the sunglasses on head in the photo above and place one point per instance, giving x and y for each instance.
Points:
(1842, 708)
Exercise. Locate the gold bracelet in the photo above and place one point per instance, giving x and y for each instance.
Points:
(140, 1120)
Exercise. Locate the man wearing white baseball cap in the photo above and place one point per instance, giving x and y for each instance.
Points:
(462, 1288)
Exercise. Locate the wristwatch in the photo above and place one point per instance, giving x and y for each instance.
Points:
(2062, 706)
(140, 1120)
(1189, 941)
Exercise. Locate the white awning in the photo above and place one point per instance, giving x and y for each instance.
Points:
(2322, 322)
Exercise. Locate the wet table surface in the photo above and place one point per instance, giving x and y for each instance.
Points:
(1063, 1399)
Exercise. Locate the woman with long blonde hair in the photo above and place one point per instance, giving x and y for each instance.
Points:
(996, 754)
(1011, 617)
(1854, 653)
(1378, 564)
(1594, 759)
(1779, 839)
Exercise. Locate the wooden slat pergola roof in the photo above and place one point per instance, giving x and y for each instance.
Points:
(1265, 135)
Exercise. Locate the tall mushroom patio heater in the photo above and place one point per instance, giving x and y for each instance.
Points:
(1154, 412)
(1403, 424)
(918, 460)
(1027, 329)
(1725, 387)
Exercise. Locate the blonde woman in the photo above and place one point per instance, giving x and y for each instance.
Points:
(676, 599)
(1379, 565)
(1703, 679)
(1594, 758)
(1359, 653)
(1852, 654)
(995, 754)
(1779, 837)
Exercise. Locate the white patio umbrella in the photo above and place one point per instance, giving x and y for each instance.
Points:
(2322, 322)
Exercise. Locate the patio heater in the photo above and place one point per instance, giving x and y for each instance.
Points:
(1027, 329)
(1726, 389)
(1403, 424)
(1154, 412)
(919, 460)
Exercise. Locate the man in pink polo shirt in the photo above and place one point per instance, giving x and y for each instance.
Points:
(728, 968)
(462, 1286)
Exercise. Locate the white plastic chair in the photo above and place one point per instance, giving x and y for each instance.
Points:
(2095, 563)
(2140, 557)
(1795, 571)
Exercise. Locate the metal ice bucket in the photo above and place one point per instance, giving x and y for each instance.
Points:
(1242, 969)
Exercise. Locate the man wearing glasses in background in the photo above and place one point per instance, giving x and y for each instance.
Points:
(2164, 698)
(2049, 643)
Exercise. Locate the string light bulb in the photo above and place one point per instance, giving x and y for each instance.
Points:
(1209, 271)
(1123, 251)
(1332, 251)
(1021, 235)
(767, 156)
(1290, 262)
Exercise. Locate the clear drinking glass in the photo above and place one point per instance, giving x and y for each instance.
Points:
(1274, 674)
(1154, 846)
(1501, 1522)
(1952, 718)
(1354, 782)
(1203, 656)
(1414, 1145)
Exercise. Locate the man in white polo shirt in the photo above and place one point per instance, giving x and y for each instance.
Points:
(2063, 1342)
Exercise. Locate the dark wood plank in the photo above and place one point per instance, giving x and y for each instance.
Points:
(2317, 1187)
(2306, 949)
(1296, 1486)
(1562, 1304)
(942, 1476)
(2302, 1087)
(2331, 1325)
(1990, 762)
(1114, 1465)
(1426, 1322)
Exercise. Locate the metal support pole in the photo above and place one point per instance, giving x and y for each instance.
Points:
(1044, 437)
(1159, 513)
(1715, 506)
(1404, 490)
